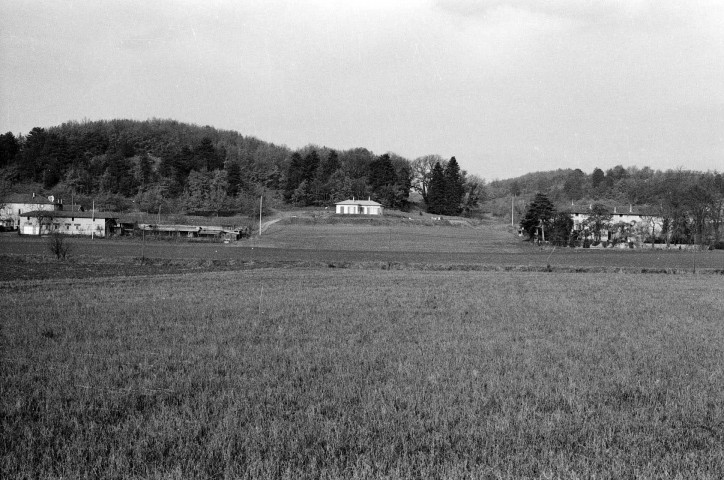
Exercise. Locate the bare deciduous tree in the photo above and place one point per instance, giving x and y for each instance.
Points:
(59, 245)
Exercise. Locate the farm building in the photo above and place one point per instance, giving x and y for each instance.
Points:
(192, 231)
(359, 207)
(627, 221)
(14, 206)
(92, 224)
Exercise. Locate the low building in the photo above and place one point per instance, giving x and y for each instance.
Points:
(358, 207)
(14, 206)
(193, 231)
(43, 222)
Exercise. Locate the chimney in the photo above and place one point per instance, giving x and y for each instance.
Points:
(614, 210)
(33, 194)
(630, 208)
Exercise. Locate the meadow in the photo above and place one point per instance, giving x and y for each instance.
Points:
(340, 373)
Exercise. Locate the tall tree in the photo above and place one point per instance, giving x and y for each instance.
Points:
(454, 188)
(422, 173)
(205, 156)
(573, 187)
(561, 228)
(311, 164)
(597, 178)
(474, 194)
(9, 148)
(233, 177)
(294, 176)
(538, 216)
(436, 191)
(382, 172)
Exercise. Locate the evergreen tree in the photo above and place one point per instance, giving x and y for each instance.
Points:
(295, 175)
(436, 191)
(9, 148)
(330, 165)
(311, 164)
(205, 156)
(561, 228)
(233, 176)
(454, 188)
(539, 215)
(381, 173)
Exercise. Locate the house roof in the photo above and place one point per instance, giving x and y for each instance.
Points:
(616, 210)
(365, 203)
(28, 199)
(64, 214)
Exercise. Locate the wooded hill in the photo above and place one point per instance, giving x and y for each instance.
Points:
(128, 165)
(674, 193)
(156, 164)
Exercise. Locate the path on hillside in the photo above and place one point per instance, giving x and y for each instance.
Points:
(268, 223)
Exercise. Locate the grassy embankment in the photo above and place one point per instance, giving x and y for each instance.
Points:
(337, 373)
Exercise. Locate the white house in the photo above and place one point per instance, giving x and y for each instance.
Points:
(14, 206)
(359, 207)
(624, 221)
(42, 222)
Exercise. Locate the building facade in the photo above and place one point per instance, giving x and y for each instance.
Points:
(14, 206)
(91, 224)
(358, 207)
(626, 223)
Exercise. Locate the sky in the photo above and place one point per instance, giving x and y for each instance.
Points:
(506, 86)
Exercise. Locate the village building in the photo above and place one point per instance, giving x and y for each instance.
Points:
(627, 222)
(44, 222)
(15, 205)
(358, 207)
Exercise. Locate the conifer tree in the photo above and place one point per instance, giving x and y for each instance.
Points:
(454, 188)
(295, 175)
(436, 191)
(539, 214)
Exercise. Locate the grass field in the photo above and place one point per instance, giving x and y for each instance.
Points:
(334, 373)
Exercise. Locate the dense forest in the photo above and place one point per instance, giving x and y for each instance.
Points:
(127, 165)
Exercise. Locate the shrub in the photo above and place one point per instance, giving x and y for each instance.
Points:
(59, 245)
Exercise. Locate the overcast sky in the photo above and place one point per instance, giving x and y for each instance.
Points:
(507, 87)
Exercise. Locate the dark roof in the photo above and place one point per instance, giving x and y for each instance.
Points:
(64, 214)
(29, 199)
(617, 210)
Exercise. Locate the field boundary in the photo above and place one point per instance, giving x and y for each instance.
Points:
(236, 264)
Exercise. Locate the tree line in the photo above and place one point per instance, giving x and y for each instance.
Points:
(684, 208)
(177, 167)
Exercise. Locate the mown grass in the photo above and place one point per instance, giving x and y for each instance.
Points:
(395, 236)
(363, 374)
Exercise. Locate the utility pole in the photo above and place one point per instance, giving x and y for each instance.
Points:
(512, 211)
(261, 201)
